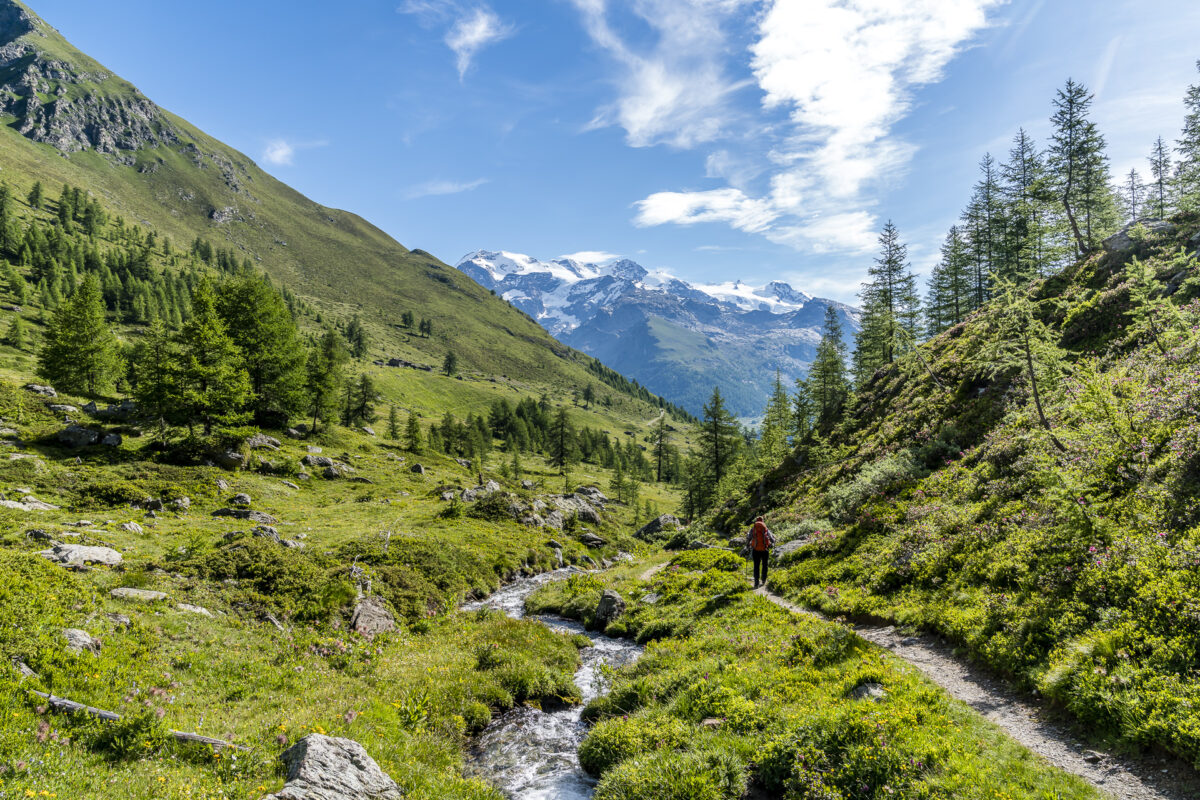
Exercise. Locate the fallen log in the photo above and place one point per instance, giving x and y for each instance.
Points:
(72, 707)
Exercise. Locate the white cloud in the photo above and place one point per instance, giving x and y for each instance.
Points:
(674, 91)
(835, 77)
(472, 27)
(441, 187)
(591, 256)
(279, 152)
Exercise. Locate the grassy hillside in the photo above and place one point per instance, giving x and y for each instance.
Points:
(942, 502)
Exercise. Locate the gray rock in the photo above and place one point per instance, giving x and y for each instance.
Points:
(241, 499)
(418, 469)
(868, 691)
(265, 532)
(59, 408)
(611, 606)
(534, 521)
(292, 433)
(328, 768)
(191, 609)
(368, 430)
(527, 485)
(182, 503)
(593, 494)
(650, 599)
(140, 595)
(40, 535)
(247, 514)
(37, 388)
(75, 436)
(333, 471)
(555, 520)
(223, 484)
(1121, 241)
(470, 495)
(260, 441)
(121, 412)
(74, 554)
(554, 545)
(312, 448)
(79, 641)
(291, 543)
(120, 620)
(782, 551)
(312, 460)
(290, 485)
(151, 504)
(28, 503)
(230, 460)
(490, 487)
(665, 522)
(131, 527)
(371, 616)
(590, 539)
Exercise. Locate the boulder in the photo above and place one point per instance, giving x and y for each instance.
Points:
(191, 609)
(140, 595)
(418, 469)
(124, 410)
(150, 504)
(27, 503)
(371, 616)
(59, 408)
(782, 551)
(470, 495)
(79, 641)
(665, 522)
(230, 459)
(868, 691)
(120, 620)
(245, 513)
(611, 606)
(37, 388)
(265, 532)
(291, 543)
(328, 768)
(75, 436)
(312, 448)
(290, 485)
(556, 520)
(490, 487)
(241, 499)
(590, 539)
(368, 430)
(260, 441)
(534, 521)
(577, 505)
(462, 462)
(312, 460)
(74, 554)
(527, 485)
(593, 494)
(131, 527)
(182, 503)
(1121, 241)
(334, 471)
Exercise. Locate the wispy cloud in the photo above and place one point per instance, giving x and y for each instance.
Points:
(591, 256)
(441, 187)
(835, 77)
(470, 27)
(282, 152)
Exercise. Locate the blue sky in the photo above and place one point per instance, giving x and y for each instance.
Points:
(717, 139)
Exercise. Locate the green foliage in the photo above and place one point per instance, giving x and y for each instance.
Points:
(80, 354)
(212, 384)
(709, 558)
(38, 600)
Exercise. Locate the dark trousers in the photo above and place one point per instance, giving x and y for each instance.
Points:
(761, 557)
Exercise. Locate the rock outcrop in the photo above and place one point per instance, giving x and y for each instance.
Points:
(78, 554)
(329, 768)
(611, 606)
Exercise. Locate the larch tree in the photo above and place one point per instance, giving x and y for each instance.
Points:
(154, 368)
(212, 383)
(1079, 167)
(412, 433)
(718, 440)
(1160, 170)
(562, 441)
(828, 386)
(324, 378)
(1131, 194)
(80, 353)
(773, 444)
(1187, 147)
(1024, 191)
(891, 309)
(951, 285)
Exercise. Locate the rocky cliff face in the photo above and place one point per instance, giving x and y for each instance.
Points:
(70, 106)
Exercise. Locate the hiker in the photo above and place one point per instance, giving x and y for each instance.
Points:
(760, 540)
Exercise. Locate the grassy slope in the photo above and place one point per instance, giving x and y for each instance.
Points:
(947, 508)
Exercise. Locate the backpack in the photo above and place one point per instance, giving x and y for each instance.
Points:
(760, 537)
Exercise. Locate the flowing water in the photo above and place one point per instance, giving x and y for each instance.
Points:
(529, 753)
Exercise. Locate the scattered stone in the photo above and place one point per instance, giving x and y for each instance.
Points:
(332, 472)
(611, 606)
(527, 485)
(787, 548)
(371, 616)
(554, 545)
(76, 436)
(44, 391)
(577, 505)
(590, 539)
(291, 543)
(24, 669)
(368, 430)
(1121, 241)
(241, 499)
(120, 620)
(593, 494)
(292, 433)
(191, 609)
(311, 448)
(245, 513)
(290, 485)
(230, 460)
(28, 503)
(265, 532)
(182, 503)
(80, 640)
(111, 440)
(74, 554)
(533, 521)
(650, 599)
(555, 520)
(223, 484)
(260, 441)
(302, 476)
(665, 522)
(361, 479)
(623, 556)
(490, 487)
(59, 408)
(711, 722)
(1092, 757)
(140, 595)
(312, 460)
(150, 504)
(131, 527)
(462, 462)
(328, 768)
(418, 469)
(121, 412)
(868, 691)
(40, 535)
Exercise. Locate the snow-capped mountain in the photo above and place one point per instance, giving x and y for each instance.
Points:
(675, 338)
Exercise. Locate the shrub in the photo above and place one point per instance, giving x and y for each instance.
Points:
(702, 775)
(493, 507)
(619, 738)
(709, 558)
(874, 479)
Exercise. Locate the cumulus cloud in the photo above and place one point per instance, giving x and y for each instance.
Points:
(443, 187)
(282, 152)
(834, 76)
(470, 29)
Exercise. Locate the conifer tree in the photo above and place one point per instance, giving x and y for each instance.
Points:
(393, 423)
(450, 363)
(1187, 170)
(362, 401)
(660, 446)
(1160, 170)
(1132, 190)
(260, 324)
(154, 367)
(412, 433)
(616, 484)
(80, 354)
(356, 337)
(773, 444)
(212, 384)
(35, 195)
(951, 286)
(324, 378)
(1079, 168)
(802, 411)
(1024, 190)
(562, 441)
(827, 383)
(16, 337)
(986, 225)
(891, 309)
(718, 442)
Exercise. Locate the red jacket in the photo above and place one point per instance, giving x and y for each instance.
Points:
(760, 537)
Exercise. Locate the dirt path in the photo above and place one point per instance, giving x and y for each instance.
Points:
(1025, 721)
(650, 573)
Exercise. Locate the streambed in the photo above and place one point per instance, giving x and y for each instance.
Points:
(529, 753)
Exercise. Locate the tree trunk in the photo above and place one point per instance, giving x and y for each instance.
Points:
(1037, 399)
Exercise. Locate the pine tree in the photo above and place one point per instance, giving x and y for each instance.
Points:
(393, 424)
(356, 337)
(1023, 186)
(80, 354)
(773, 445)
(1132, 190)
(450, 363)
(718, 442)
(1079, 168)
(828, 387)
(324, 378)
(362, 401)
(212, 384)
(16, 337)
(412, 433)
(154, 368)
(951, 286)
(260, 324)
(802, 411)
(660, 446)
(35, 195)
(986, 226)
(891, 309)
(1187, 170)
(1160, 169)
(562, 441)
